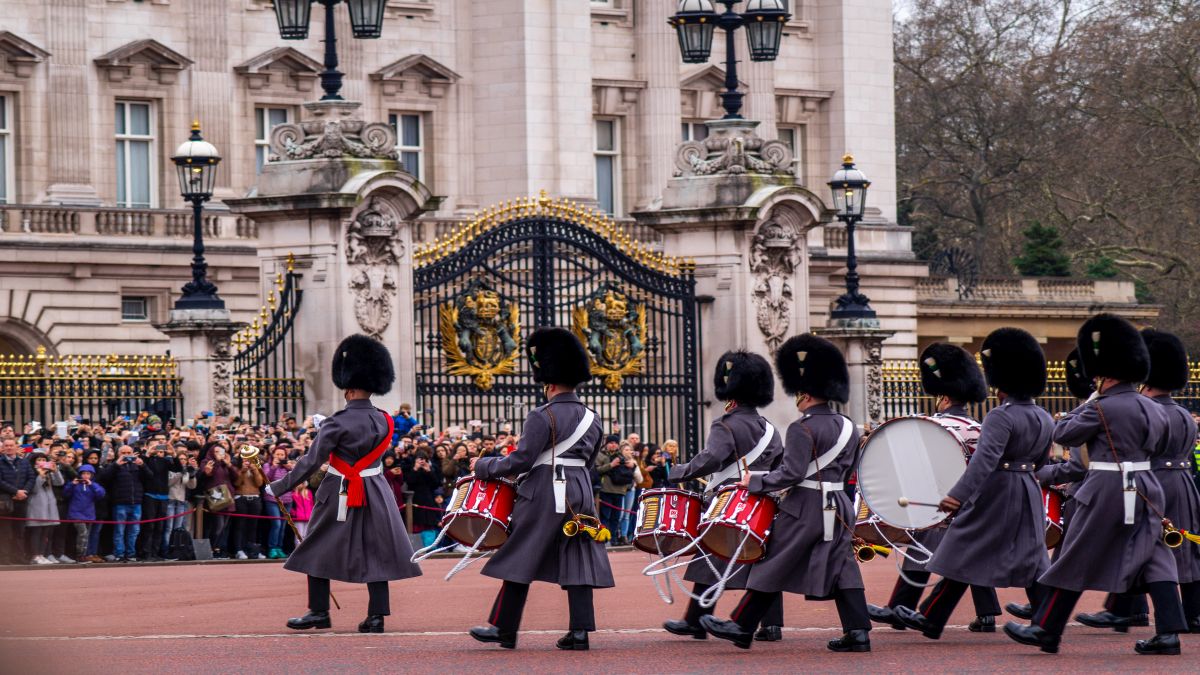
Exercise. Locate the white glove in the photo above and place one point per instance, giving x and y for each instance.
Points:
(267, 489)
(317, 420)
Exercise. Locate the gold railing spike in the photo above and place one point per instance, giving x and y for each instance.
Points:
(291, 263)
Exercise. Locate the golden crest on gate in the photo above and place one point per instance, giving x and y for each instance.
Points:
(480, 334)
(614, 333)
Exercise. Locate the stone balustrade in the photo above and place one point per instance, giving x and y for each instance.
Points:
(867, 238)
(1016, 289)
(24, 219)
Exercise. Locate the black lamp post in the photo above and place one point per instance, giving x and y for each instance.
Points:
(849, 186)
(695, 20)
(366, 22)
(196, 163)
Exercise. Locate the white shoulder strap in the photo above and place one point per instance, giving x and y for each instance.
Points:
(815, 466)
(584, 425)
(735, 468)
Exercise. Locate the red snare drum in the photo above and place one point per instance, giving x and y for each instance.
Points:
(733, 515)
(476, 505)
(668, 519)
(1053, 499)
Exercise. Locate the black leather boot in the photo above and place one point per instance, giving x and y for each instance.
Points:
(1163, 644)
(852, 641)
(685, 629)
(1032, 635)
(727, 630)
(310, 620)
(372, 624)
(493, 634)
(983, 624)
(917, 621)
(1116, 622)
(885, 616)
(574, 640)
(769, 634)
(1020, 610)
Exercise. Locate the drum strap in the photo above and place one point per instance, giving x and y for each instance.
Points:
(818, 465)
(734, 469)
(814, 482)
(551, 456)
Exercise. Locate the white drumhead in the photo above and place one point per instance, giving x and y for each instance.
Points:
(915, 458)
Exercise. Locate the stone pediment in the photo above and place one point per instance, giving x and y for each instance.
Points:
(18, 55)
(147, 58)
(281, 65)
(708, 78)
(415, 74)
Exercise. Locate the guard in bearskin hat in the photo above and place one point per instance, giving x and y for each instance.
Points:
(554, 535)
(356, 533)
(810, 548)
(1168, 373)
(997, 537)
(744, 381)
(952, 376)
(1115, 542)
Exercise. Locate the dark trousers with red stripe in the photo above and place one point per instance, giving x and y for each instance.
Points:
(773, 617)
(378, 597)
(1057, 605)
(941, 602)
(851, 606)
(906, 595)
(510, 605)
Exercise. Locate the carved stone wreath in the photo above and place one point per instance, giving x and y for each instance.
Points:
(732, 148)
(372, 251)
(333, 138)
(222, 373)
(773, 260)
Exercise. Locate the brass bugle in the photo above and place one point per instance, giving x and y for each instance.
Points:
(865, 552)
(250, 453)
(1171, 535)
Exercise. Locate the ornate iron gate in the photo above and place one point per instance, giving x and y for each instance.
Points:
(539, 262)
(265, 384)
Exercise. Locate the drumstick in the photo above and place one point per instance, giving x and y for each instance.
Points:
(906, 502)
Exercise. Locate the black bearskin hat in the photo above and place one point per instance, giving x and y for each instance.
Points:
(362, 362)
(949, 370)
(1110, 346)
(557, 357)
(1078, 383)
(1168, 360)
(813, 365)
(745, 378)
(1014, 363)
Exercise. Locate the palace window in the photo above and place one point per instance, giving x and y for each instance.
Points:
(265, 120)
(135, 308)
(795, 139)
(608, 165)
(135, 154)
(694, 131)
(7, 179)
(410, 142)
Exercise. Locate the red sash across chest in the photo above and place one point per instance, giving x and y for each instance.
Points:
(355, 494)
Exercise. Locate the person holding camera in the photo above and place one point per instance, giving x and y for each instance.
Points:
(248, 482)
(217, 479)
(277, 468)
(615, 467)
(82, 493)
(160, 464)
(404, 421)
(179, 482)
(64, 533)
(125, 479)
(425, 483)
(43, 507)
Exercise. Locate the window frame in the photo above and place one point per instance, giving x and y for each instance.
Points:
(151, 139)
(798, 144)
(261, 109)
(615, 154)
(146, 309)
(9, 186)
(690, 125)
(395, 119)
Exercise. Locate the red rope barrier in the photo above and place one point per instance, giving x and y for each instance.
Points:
(143, 522)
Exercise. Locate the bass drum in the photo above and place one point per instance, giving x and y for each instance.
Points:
(918, 458)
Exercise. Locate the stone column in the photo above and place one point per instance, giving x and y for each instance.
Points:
(200, 343)
(863, 348)
(658, 105)
(70, 179)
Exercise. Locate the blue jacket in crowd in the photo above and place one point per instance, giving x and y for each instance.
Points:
(81, 500)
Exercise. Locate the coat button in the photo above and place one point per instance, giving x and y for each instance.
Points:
(1168, 463)
(1006, 465)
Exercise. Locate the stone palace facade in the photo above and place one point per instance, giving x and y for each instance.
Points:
(490, 101)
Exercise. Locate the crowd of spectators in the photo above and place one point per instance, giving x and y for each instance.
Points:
(191, 480)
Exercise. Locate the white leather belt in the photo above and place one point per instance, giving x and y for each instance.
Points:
(373, 471)
(548, 455)
(1128, 489)
(828, 508)
(365, 473)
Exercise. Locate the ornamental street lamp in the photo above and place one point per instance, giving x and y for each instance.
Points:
(849, 186)
(196, 163)
(695, 20)
(366, 23)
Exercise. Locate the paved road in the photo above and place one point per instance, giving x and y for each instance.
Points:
(221, 618)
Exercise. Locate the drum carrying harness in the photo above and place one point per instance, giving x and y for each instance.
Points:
(827, 489)
(716, 478)
(352, 494)
(552, 456)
